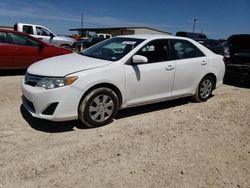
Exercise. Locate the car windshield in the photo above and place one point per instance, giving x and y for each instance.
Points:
(112, 49)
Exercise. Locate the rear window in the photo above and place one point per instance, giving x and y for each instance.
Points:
(28, 29)
(184, 50)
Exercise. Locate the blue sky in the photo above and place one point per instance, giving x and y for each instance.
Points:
(216, 18)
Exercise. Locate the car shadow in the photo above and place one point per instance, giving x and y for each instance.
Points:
(12, 72)
(50, 126)
(151, 107)
(66, 126)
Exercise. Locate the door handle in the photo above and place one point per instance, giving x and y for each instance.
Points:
(203, 63)
(169, 67)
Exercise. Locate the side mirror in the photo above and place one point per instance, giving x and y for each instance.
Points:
(137, 59)
(51, 35)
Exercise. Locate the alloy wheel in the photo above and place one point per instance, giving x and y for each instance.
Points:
(101, 108)
(206, 88)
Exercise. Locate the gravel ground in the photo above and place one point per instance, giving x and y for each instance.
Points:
(170, 144)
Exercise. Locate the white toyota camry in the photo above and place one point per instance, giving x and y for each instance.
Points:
(118, 73)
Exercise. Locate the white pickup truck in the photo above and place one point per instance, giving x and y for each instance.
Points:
(45, 35)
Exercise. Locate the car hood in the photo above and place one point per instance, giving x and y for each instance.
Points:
(65, 64)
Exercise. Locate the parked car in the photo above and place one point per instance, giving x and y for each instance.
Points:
(20, 50)
(103, 35)
(45, 35)
(213, 45)
(192, 35)
(238, 62)
(118, 73)
(86, 43)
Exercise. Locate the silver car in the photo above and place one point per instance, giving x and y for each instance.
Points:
(45, 35)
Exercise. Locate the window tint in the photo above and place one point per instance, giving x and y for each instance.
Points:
(155, 51)
(184, 49)
(3, 37)
(42, 31)
(107, 36)
(23, 40)
(28, 29)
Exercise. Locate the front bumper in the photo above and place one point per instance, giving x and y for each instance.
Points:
(37, 101)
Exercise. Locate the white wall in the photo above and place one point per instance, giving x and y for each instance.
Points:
(148, 31)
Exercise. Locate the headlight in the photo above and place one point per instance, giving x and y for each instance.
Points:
(50, 82)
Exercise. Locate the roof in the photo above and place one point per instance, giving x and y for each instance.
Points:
(30, 24)
(153, 36)
(116, 28)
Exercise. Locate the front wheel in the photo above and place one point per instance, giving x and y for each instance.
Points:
(205, 89)
(99, 107)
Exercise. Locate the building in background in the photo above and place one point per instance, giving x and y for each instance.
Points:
(6, 27)
(114, 31)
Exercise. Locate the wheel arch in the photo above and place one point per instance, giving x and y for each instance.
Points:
(214, 79)
(107, 85)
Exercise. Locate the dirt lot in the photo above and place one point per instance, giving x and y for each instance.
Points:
(170, 144)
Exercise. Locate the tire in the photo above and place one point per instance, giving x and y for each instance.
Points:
(99, 107)
(204, 89)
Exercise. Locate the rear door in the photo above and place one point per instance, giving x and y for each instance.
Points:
(191, 64)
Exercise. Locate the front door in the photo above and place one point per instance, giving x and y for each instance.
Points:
(25, 51)
(153, 80)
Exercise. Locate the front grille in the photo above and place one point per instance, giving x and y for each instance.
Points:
(32, 80)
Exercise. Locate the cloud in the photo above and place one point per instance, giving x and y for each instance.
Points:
(49, 12)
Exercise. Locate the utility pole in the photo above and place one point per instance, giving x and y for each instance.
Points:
(195, 20)
(82, 25)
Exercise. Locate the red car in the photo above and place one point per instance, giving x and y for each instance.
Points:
(20, 50)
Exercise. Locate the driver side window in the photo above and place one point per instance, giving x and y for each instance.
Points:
(22, 40)
(42, 31)
(155, 51)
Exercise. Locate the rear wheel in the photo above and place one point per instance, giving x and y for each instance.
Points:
(99, 107)
(205, 89)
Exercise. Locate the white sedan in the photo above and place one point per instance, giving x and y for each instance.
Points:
(118, 73)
